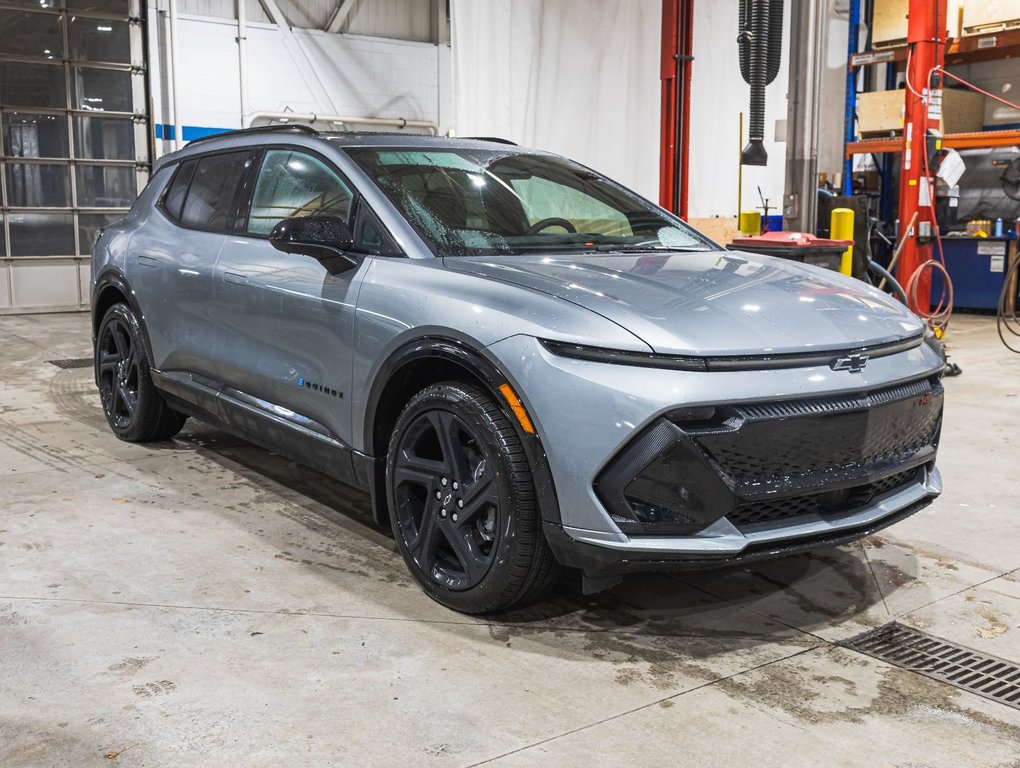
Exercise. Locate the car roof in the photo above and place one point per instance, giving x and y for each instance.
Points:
(396, 138)
(301, 135)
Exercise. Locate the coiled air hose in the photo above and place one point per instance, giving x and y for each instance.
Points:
(1007, 319)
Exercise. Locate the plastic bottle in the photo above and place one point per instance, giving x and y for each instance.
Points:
(998, 227)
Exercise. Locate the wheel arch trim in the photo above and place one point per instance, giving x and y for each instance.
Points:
(491, 375)
(113, 279)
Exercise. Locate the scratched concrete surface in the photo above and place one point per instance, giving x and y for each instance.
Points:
(206, 603)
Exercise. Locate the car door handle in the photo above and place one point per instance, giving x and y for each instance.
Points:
(148, 261)
(233, 277)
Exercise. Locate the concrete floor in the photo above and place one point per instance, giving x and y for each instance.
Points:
(205, 603)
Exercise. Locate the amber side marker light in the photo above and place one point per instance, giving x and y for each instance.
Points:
(518, 409)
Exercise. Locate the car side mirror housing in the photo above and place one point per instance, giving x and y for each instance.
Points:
(325, 238)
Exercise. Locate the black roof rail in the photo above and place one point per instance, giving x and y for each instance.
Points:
(493, 139)
(307, 130)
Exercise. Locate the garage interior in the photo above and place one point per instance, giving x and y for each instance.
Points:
(203, 601)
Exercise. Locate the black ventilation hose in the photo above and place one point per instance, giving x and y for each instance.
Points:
(760, 46)
(744, 40)
(775, 40)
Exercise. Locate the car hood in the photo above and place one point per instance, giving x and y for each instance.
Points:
(711, 302)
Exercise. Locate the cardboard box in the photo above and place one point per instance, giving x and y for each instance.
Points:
(722, 230)
(881, 112)
(889, 19)
(983, 16)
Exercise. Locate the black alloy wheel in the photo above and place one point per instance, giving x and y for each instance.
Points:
(134, 408)
(117, 363)
(462, 502)
(448, 504)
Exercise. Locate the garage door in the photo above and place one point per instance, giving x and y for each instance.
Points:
(75, 148)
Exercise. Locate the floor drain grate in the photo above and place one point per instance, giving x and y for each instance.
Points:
(979, 673)
(73, 362)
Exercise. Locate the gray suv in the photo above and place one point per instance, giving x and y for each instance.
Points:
(525, 364)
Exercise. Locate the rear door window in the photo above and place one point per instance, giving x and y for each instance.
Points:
(210, 197)
(292, 184)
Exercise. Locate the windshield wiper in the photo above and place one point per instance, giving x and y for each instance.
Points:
(637, 247)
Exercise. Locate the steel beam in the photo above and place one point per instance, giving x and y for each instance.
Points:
(340, 14)
(675, 74)
(807, 61)
(850, 99)
(300, 57)
(926, 39)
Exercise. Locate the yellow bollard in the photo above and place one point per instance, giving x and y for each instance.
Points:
(750, 222)
(841, 227)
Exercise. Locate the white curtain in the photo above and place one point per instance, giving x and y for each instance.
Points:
(577, 77)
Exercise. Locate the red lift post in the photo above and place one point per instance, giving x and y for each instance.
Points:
(677, 55)
(926, 40)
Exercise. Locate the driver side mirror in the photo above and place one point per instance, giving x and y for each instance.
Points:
(325, 238)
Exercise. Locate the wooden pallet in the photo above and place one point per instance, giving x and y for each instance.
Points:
(991, 29)
(982, 17)
(879, 45)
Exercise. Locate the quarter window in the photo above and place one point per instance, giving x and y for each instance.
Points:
(211, 194)
(370, 235)
(295, 184)
(174, 200)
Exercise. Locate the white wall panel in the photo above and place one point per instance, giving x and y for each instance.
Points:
(718, 96)
(44, 283)
(5, 285)
(306, 71)
(209, 88)
(85, 281)
(576, 77)
(373, 77)
(399, 19)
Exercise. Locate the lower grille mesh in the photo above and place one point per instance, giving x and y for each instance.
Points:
(752, 513)
(987, 676)
(782, 448)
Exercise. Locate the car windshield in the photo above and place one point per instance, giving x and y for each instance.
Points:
(470, 202)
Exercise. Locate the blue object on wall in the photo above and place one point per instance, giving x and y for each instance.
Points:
(970, 262)
(189, 132)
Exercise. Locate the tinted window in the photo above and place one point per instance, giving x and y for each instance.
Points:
(296, 184)
(174, 200)
(212, 190)
(479, 202)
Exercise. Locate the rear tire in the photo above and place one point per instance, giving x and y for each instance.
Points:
(134, 408)
(462, 502)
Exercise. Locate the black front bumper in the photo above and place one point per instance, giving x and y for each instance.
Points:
(769, 474)
(603, 561)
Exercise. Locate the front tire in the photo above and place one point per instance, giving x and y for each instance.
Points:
(462, 502)
(134, 409)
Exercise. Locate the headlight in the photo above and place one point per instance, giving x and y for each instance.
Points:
(624, 357)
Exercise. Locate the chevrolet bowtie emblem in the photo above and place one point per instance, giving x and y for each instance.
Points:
(854, 363)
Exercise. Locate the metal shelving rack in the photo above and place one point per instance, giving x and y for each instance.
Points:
(994, 46)
(930, 49)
